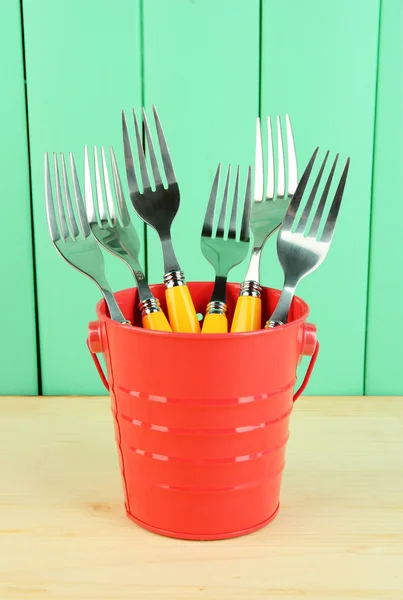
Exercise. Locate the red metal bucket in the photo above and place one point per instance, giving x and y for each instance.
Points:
(201, 420)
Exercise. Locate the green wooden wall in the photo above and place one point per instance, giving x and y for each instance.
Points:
(383, 371)
(326, 79)
(18, 356)
(83, 67)
(210, 66)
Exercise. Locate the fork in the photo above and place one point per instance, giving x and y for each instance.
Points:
(302, 248)
(117, 233)
(74, 241)
(223, 250)
(158, 209)
(268, 210)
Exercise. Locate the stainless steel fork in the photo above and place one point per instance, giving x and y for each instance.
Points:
(158, 208)
(74, 241)
(116, 233)
(224, 250)
(301, 246)
(268, 210)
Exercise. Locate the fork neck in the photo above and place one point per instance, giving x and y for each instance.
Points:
(174, 279)
(114, 310)
(220, 289)
(253, 273)
(139, 277)
(143, 288)
(280, 314)
(170, 260)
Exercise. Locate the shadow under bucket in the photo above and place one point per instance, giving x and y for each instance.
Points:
(201, 421)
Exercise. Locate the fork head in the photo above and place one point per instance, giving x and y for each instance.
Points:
(71, 236)
(158, 203)
(305, 236)
(271, 201)
(113, 229)
(226, 247)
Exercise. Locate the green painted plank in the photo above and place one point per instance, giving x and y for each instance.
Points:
(18, 360)
(83, 67)
(202, 73)
(383, 367)
(319, 65)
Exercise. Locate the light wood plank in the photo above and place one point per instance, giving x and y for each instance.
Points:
(64, 534)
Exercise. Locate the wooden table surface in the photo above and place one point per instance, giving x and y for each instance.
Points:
(64, 533)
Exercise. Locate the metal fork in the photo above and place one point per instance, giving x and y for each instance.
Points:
(300, 248)
(268, 209)
(117, 234)
(222, 249)
(74, 241)
(158, 208)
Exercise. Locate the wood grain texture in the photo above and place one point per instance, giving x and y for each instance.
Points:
(64, 534)
(18, 359)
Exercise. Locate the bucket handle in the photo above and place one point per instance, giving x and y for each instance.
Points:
(297, 394)
(307, 374)
(98, 366)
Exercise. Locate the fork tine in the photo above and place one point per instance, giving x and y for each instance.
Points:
(122, 208)
(308, 206)
(313, 232)
(166, 158)
(129, 164)
(281, 165)
(82, 216)
(258, 187)
(292, 158)
(153, 158)
(110, 207)
(299, 192)
(70, 212)
(208, 222)
(98, 189)
(335, 207)
(50, 207)
(270, 162)
(59, 202)
(232, 224)
(223, 211)
(140, 152)
(89, 199)
(245, 226)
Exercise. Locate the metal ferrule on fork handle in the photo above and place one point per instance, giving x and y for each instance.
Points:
(149, 306)
(152, 315)
(272, 324)
(251, 288)
(174, 278)
(248, 309)
(215, 320)
(216, 308)
(181, 311)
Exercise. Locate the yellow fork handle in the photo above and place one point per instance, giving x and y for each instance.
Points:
(156, 321)
(181, 311)
(215, 323)
(247, 315)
